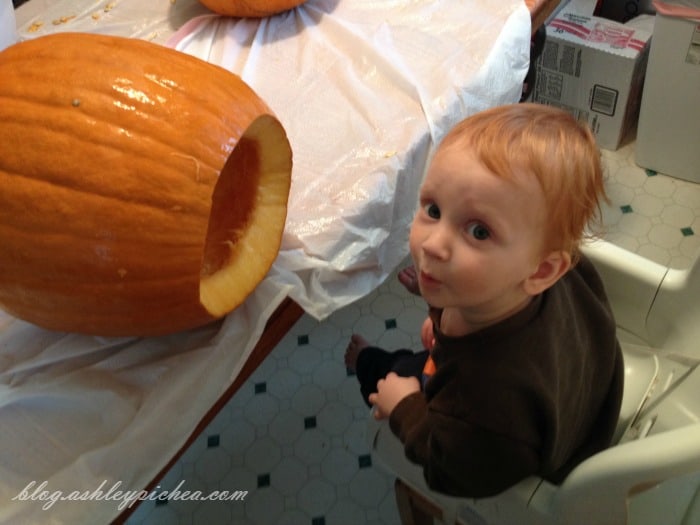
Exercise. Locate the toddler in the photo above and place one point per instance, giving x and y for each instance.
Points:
(522, 373)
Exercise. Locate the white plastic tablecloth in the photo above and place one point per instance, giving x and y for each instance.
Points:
(365, 90)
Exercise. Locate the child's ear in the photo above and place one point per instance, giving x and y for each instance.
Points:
(551, 268)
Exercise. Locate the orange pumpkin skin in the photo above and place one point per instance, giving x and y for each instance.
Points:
(250, 8)
(142, 191)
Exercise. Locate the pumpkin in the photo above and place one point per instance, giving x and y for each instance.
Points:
(142, 191)
(250, 8)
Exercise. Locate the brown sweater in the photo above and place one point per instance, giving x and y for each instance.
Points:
(534, 394)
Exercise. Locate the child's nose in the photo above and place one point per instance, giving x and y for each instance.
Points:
(437, 243)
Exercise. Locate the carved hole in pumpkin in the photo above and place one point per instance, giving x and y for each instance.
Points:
(233, 204)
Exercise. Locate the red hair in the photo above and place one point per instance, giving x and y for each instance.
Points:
(549, 144)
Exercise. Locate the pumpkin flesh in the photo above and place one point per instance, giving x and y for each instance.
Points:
(121, 180)
(235, 237)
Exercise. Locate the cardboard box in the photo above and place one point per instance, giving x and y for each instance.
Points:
(594, 68)
(668, 136)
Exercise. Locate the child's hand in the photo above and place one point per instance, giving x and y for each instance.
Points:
(426, 334)
(390, 391)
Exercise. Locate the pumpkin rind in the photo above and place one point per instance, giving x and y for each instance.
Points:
(250, 8)
(111, 151)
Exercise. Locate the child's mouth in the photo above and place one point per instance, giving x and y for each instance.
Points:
(427, 280)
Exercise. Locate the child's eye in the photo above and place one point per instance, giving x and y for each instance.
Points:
(432, 210)
(478, 231)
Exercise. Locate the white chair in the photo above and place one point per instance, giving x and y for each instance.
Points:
(651, 474)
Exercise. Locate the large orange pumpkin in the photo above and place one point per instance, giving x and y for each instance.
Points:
(250, 8)
(142, 191)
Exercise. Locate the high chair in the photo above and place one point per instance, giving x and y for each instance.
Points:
(651, 473)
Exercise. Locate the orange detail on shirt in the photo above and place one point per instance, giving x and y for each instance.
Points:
(429, 367)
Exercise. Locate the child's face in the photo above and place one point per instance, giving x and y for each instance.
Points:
(476, 237)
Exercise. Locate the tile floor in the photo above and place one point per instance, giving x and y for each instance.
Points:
(651, 214)
(293, 436)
